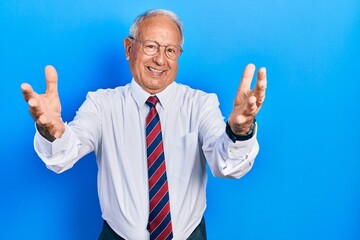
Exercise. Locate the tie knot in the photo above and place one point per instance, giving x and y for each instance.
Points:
(152, 101)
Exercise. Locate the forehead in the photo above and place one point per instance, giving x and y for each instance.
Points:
(159, 28)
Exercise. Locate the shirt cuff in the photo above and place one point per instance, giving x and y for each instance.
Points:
(237, 157)
(51, 148)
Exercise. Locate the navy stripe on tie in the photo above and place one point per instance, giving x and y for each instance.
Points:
(162, 226)
(155, 165)
(157, 186)
(152, 124)
(170, 236)
(154, 144)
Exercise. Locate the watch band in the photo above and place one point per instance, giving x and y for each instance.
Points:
(240, 137)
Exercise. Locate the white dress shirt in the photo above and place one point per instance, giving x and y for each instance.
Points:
(112, 123)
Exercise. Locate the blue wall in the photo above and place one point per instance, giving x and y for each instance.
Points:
(305, 183)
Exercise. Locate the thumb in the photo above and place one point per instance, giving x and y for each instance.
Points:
(51, 79)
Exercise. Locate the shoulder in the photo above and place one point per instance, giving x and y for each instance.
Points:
(198, 96)
(101, 95)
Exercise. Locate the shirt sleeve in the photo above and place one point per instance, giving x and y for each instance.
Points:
(80, 138)
(225, 158)
(61, 154)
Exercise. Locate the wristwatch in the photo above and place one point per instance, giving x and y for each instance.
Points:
(240, 137)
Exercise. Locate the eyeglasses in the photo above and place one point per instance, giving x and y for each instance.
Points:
(151, 48)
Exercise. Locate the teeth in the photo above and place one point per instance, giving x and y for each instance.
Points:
(154, 70)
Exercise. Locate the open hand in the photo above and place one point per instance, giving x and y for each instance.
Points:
(46, 108)
(247, 102)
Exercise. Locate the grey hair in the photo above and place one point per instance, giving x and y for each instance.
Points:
(152, 13)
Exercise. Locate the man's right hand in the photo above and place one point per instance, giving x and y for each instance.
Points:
(46, 108)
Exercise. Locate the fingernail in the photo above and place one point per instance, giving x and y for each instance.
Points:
(31, 102)
(42, 119)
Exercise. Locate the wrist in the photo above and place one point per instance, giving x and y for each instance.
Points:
(241, 136)
(45, 133)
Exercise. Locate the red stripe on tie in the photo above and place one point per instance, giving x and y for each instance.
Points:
(157, 174)
(159, 195)
(150, 116)
(153, 100)
(155, 154)
(166, 232)
(160, 217)
(153, 134)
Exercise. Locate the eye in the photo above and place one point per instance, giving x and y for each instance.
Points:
(150, 46)
(171, 49)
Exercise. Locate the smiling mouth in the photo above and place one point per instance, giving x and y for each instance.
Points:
(155, 71)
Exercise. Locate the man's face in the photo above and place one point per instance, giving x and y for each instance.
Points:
(153, 73)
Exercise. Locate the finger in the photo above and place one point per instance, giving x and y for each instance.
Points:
(34, 108)
(50, 125)
(241, 124)
(43, 125)
(247, 77)
(27, 91)
(239, 120)
(41, 121)
(261, 82)
(51, 79)
(46, 123)
(57, 134)
(244, 87)
(251, 107)
(260, 101)
(260, 87)
(60, 128)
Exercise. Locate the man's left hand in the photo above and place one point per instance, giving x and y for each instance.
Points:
(247, 102)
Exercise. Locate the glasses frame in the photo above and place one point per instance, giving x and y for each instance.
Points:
(158, 48)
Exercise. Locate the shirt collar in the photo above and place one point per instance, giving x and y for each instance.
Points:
(140, 95)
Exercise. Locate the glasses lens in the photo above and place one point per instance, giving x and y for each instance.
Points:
(172, 51)
(150, 47)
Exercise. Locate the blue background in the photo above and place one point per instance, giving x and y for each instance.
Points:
(305, 183)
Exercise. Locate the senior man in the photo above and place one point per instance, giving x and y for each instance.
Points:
(152, 137)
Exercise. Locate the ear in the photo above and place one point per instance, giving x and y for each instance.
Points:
(128, 47)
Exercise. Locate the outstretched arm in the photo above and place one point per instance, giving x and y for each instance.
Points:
(46, 108)
(233, 158)
(247, 102)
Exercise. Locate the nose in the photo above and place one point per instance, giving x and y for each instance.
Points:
(160, 57)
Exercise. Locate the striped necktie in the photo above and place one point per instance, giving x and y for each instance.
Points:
(159, 224)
